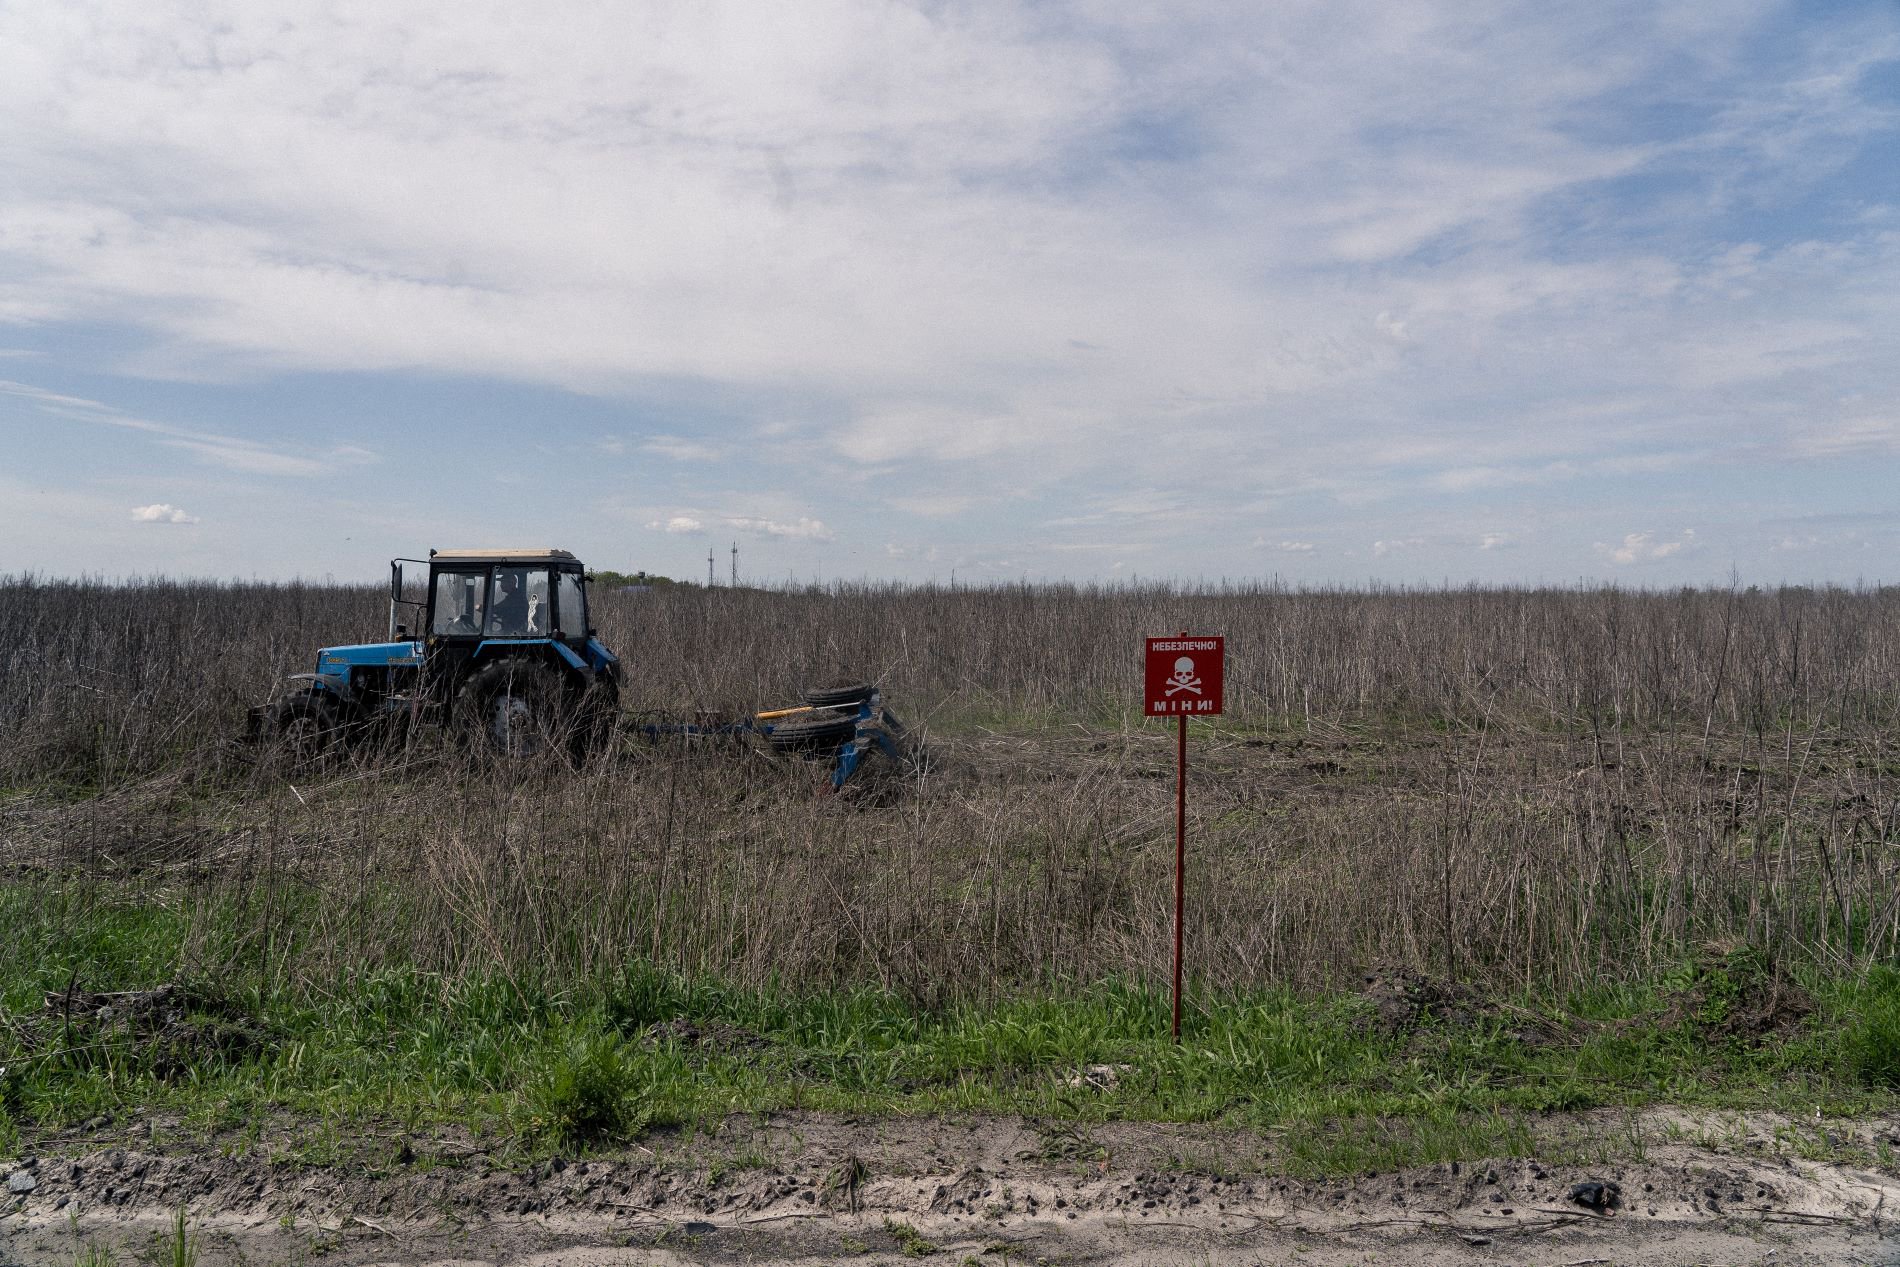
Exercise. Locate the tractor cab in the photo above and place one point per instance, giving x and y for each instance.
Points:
(476, 596)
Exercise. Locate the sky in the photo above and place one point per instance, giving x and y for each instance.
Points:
(1334, 292)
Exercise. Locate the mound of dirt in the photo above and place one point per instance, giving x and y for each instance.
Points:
(1726, 996)
(171, 1029)
(717, 1036)
(1403, 1001)
(1737, 1004)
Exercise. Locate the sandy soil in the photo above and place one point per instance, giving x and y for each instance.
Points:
(810, 1189)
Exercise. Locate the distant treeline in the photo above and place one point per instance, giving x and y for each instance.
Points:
(614, 580)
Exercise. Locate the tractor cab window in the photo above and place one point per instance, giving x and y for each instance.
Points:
(458, 603)
(572, 612)
(519, 606)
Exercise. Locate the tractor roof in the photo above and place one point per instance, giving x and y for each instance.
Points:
(504, 556)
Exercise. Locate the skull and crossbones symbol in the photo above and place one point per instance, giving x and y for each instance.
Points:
(1184, 678)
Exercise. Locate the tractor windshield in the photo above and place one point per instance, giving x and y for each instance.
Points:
(519, 606)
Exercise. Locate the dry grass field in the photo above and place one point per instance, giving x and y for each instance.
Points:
(1516, 789)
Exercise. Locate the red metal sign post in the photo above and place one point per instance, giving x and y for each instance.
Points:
(1184, 677)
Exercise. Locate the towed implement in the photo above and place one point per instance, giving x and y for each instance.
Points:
(496, 647)
(847, 725)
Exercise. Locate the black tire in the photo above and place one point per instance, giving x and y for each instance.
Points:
(306, 728)
(598, 719)
(515, 708)
(832, 696)
(815, 733)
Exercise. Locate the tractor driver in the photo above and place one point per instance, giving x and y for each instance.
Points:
(510, 612)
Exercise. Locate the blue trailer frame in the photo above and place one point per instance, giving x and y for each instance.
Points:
(876, 729)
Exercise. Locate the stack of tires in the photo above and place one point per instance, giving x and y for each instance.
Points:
(831, 727)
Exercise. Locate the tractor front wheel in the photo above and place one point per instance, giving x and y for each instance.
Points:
(515, 708)
(306, 728)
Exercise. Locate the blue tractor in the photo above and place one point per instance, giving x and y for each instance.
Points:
(495, 644)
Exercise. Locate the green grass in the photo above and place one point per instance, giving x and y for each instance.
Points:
(596, 1086)
(1872, 1038)
(536, 1069)
(910, 1242)
(179, 1247)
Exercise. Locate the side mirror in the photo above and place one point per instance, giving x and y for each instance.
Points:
(395, 582)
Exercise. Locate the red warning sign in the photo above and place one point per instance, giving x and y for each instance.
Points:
(1184, 675)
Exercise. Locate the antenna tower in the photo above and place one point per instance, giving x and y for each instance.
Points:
(735, 565)
(709, 571)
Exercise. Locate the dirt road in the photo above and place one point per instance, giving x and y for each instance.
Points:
(808, 1189)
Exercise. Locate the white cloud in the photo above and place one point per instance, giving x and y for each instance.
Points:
(162, 513)
(1643, 547)
(1494, 541)
(1469, 479)
(798, 527)
(804, 527)
(1868, 434)
(941, 433)
(248, 458)
(1382, 548)
(1296, 547)
(233, 453)
(681, 449)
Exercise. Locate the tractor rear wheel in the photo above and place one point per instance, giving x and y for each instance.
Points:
(515, 708)
(596, 718)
